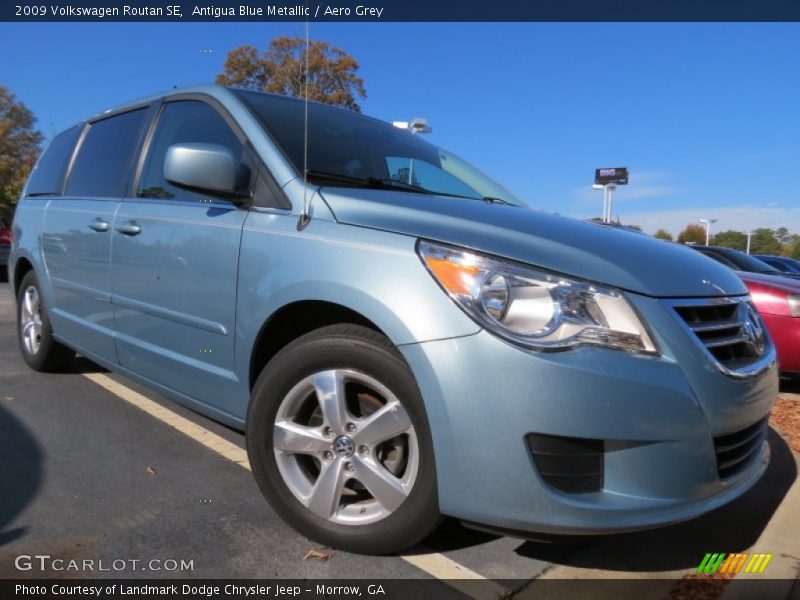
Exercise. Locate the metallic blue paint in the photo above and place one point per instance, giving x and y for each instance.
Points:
(610, 255)
(180, 305)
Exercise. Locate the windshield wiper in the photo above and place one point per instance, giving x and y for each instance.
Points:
(367, 181)
(401, 184)
(395, 183)
(496, 200)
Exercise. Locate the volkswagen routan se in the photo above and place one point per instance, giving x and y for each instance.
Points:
(398, 335)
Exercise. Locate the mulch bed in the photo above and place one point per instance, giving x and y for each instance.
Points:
(786, 419)
(700, 587)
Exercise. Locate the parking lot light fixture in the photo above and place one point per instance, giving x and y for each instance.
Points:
(415, 125)
(708, 223)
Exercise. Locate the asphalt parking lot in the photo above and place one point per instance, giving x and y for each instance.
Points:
(88, 474)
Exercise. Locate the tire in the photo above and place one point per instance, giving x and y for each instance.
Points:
(39, 348)
(396, 504)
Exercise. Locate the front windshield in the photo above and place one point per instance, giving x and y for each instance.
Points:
(344, 145)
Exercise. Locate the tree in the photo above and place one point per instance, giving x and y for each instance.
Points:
(332, 73)
(764, 242)
(731, 239)
(405, 175)
(795, 252)
(783, 236)
(19, 148)
(632, 226)
(693, 233)
(663, 234)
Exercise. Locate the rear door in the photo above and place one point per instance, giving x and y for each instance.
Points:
(175, 257)
(76, 238)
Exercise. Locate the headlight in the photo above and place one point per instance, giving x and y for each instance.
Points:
(794, 305)
(534, 308)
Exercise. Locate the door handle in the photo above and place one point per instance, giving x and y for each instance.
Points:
(129, 228)
(98, 225)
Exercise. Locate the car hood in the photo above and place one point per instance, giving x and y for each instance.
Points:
(624, 259)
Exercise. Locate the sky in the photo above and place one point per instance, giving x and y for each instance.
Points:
(706, 116)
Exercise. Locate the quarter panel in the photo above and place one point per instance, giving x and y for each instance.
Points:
(27, 233)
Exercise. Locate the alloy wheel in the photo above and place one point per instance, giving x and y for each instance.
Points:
(345, 447)
(31, 320)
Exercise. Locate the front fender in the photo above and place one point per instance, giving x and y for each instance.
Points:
(374, 273)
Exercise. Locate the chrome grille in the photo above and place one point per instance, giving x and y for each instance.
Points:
(730, 331)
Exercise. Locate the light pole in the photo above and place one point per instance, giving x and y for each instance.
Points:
(707, 223)
(608, 193)
(749, 234)
(416, 125)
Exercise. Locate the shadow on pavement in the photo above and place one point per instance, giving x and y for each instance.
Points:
(452, 535)
(20, 472)
(83, 365)
(790, 385)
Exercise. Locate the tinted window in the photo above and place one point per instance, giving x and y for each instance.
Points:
(719, 258)
(48, 176)
(187, 121)
(744, 262)
(104, 158)
(777, 264)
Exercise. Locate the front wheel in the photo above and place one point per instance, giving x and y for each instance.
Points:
(339, 442)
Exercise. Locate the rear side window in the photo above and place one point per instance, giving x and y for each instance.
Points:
(187, 121)
(104, 158)
(777, 264)
(720, 259)
(47, 178)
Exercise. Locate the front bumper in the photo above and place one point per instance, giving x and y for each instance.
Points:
(657, 417)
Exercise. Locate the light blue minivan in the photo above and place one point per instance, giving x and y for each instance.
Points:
(399, 336)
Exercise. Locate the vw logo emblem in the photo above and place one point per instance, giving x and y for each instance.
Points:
(343, 446)
(753, 332)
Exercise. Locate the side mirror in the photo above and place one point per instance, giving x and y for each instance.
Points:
(207, 167)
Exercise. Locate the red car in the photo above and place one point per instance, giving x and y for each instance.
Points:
(5, 245)
(778, 301)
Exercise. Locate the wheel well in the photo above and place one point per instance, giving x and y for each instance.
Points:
(296, 319)
(20, 270)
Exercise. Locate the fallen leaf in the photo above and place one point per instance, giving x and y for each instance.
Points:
(150, 470)
(10, 398)
(316, 554)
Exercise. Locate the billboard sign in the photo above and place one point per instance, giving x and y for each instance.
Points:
(611, 175)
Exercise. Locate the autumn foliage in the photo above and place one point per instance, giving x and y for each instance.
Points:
(280, 69)
(19, 148)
